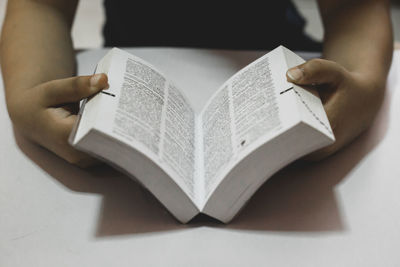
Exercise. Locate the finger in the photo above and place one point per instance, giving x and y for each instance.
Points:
(74, 89)
(316, 72)
(69, 153)
(321, 153)
(332, 108)
(59, 130)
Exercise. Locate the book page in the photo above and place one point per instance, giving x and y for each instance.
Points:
(140, 106)
(254, 104)
(153, 116)
(217, 137)
(241, 115)
(178, 149)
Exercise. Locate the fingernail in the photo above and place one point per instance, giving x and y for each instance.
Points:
(94, 80)
(295, 74)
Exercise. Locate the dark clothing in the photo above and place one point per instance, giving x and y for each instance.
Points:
(205, 24)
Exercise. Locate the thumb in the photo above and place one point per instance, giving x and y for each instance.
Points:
(315, 72)
(74, 89)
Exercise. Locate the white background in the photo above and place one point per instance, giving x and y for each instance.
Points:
(344, 211)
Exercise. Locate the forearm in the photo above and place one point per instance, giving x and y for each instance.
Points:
(359, 36)
(35, 44)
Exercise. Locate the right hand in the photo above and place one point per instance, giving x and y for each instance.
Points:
(47, 113)
(351, 99)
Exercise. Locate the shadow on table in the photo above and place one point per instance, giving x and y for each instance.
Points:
(299, 198)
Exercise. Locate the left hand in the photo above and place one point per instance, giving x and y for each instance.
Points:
(351, 99)
(47, 113)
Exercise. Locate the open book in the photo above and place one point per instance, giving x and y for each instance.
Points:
(211, 162)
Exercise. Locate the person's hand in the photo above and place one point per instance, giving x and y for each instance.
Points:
(47, 112)
(351, 100)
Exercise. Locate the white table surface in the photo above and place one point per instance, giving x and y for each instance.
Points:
(344, 211)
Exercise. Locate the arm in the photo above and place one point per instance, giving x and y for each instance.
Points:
(37, 56)
(358, 35)
(351, 77)
(36, 45)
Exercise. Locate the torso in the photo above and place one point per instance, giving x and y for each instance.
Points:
(208, 24)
